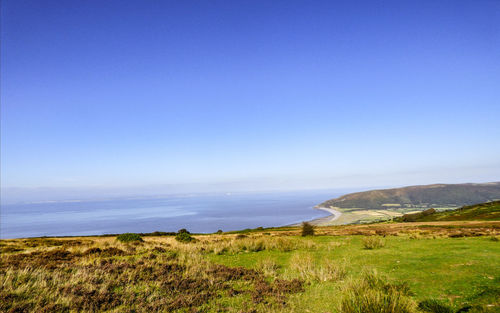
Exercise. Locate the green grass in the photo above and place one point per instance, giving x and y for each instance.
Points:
(489, 211)
(486, 211)
(450, 269)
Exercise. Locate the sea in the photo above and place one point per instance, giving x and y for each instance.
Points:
(198, 213)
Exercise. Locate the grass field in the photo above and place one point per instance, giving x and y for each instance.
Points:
(459, 265)
(360, 268)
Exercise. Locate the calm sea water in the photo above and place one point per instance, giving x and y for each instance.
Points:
(197, 213)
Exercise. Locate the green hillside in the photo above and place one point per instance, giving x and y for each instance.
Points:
(437, 195)
(489, 211)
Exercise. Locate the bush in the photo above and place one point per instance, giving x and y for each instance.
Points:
(373, 242)
(129, 237)
(184, 237)
(219, 231)
(183, 230)
(434, 306)
(307, 229)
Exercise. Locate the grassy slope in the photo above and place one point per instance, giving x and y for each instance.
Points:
(484, 211)
(425, 255)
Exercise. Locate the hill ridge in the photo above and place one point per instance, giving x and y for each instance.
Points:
(418, 196)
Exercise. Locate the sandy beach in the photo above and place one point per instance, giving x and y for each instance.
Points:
(328, 219)
(322, 221)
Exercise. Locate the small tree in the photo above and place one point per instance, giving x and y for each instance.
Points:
(307, 229)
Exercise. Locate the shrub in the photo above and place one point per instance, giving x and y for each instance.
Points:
(184, 237)
(307, 229)
(373, 242)
(434, 306)
(219, 231)
(129, 237)
(183, 230)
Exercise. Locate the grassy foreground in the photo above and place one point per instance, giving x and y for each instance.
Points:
(401, 267)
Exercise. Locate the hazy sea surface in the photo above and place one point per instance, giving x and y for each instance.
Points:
(197, 213)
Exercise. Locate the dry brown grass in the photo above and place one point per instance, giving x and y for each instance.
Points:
(256, 243)
(158, 274)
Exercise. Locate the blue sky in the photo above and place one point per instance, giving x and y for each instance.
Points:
(269, 94)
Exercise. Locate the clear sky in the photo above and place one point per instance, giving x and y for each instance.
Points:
(264, 93)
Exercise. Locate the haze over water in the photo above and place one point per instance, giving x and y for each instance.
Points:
(197, 213)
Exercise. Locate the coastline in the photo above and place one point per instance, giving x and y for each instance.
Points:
(323, 221)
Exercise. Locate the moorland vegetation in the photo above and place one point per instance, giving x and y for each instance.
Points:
(385, 267)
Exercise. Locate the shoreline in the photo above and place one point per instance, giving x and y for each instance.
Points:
(323, 221)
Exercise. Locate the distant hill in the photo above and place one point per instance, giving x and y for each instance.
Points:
(426, 196)
(489, 211)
